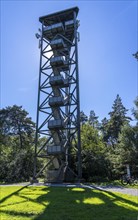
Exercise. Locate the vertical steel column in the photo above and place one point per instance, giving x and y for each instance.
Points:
(78, 100)
(38, 103)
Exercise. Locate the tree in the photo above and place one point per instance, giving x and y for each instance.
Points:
(125, 144)
(83, 118)
(117, 119)
(93, 162)
(93, 119)
(126, 152)
(104, 129)
(14, 121)
(16, 144)
(135, 111)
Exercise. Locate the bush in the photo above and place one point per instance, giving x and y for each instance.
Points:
(98, 179)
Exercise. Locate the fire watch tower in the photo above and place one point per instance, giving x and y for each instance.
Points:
(58, 108)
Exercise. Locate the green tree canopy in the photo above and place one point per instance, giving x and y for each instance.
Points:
(93, 119)
(118, 118)
(135, 110)
(83, 118)
(93, 162)
(16, 144)
(14, 121)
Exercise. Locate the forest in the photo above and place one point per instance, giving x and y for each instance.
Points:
(107, 145)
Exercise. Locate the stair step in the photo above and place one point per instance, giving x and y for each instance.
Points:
(54, 149)
(58, 81)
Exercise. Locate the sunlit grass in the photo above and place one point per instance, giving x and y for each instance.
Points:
(93, 200)
(123, 201)
(78, 189)
(22, 204)
(60, 203)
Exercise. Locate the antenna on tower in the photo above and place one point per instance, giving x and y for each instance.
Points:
(39, 36)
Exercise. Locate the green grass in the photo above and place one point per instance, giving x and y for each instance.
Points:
(64, 203)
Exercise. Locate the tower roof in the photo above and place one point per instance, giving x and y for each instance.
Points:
(59, 16)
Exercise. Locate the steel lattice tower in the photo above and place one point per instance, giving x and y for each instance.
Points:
(58, 108)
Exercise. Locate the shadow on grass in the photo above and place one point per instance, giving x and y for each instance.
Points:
(14, 193)
(86, 204)
(60, 203)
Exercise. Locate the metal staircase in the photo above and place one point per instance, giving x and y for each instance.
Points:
(58, 97)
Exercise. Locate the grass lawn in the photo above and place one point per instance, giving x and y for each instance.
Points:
(64, 203)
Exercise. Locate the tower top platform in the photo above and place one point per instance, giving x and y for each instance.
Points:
(59, 16)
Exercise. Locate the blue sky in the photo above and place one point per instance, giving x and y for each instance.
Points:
(108, 38)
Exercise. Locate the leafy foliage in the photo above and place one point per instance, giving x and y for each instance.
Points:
(135, 110)
(107, 146)
(111, 128)
(93, 119)
(93, 162)
(83, 118)
(16, 144)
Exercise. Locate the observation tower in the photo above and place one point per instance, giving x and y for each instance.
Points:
(58, 107)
